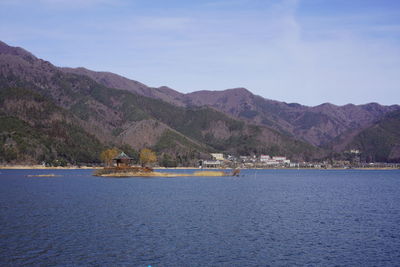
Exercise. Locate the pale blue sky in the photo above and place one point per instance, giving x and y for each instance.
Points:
(304, 51)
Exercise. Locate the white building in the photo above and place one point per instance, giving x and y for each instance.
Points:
(279, 159)
(264, 158)
(211, 164)
(272, 162)
(217, 156)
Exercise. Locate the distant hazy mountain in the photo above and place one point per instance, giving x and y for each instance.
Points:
(318, 125)
(49, 113)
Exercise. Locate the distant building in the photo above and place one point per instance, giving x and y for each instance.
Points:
(217, 156)
(264, 158)
(211, 164)
(281, 160)
(272, 162)
(123, 160)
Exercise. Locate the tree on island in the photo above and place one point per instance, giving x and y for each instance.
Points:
(147, 157)
(107, 155)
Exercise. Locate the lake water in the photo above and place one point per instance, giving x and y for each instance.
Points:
(263, 218)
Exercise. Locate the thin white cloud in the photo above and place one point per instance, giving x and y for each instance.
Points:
(274, 51)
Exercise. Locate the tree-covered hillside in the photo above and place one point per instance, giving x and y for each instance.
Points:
(49, 114)
(380, 142)
(35, 130)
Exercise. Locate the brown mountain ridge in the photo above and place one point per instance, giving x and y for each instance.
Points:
(136, 116)
(317, 125)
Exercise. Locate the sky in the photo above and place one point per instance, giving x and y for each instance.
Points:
(303, 51)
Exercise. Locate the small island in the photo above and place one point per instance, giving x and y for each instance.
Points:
(130, 172)
(122, 168)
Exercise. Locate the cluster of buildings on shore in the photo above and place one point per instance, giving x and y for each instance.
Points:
(219, 160)
(263, 161)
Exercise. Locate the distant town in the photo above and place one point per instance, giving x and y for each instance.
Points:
(228, 161)
(221, 160)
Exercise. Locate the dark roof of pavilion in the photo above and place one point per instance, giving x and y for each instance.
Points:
(122, 155)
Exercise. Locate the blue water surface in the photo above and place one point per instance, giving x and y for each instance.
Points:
(262, 218)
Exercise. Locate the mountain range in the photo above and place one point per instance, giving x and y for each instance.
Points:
(48, 113)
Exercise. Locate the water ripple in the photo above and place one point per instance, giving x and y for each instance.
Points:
(276, 218)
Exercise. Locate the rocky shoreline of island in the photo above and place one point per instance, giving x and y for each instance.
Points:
(150, 172)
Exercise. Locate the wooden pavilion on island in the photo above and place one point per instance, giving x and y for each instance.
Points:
(123, 160)
(123, 164)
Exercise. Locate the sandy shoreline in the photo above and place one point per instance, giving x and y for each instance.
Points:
(165, 174)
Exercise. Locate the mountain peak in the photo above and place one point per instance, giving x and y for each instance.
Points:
(327, 104)
(239, 90)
